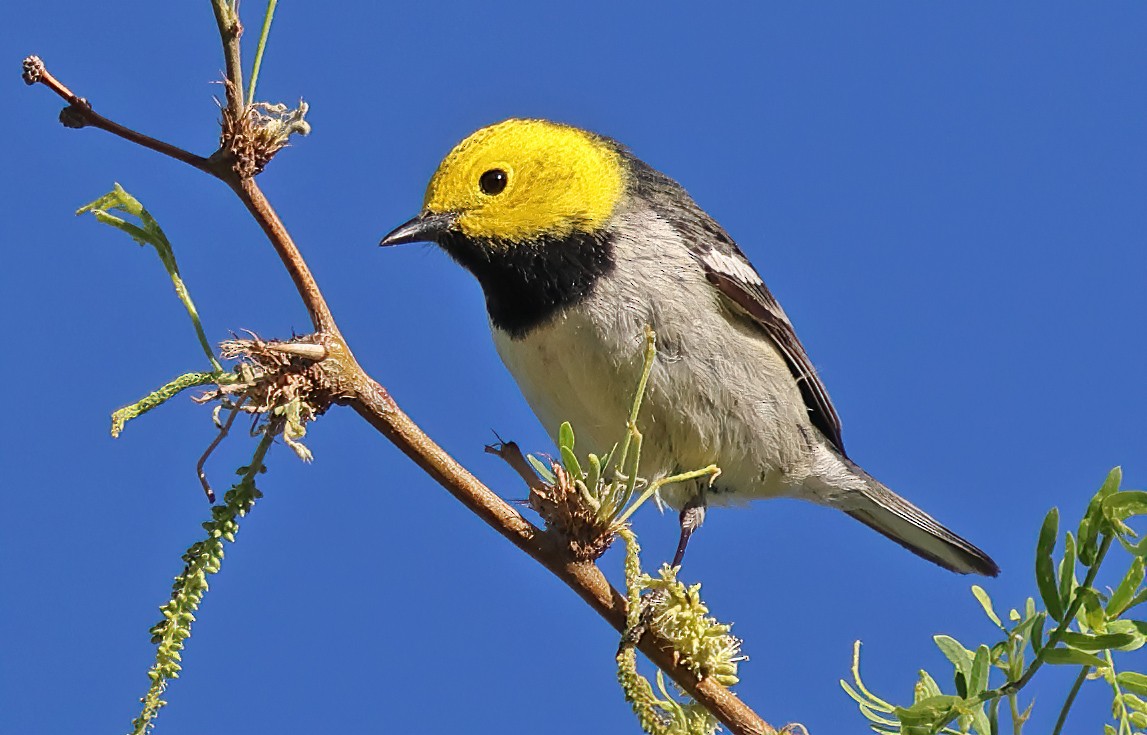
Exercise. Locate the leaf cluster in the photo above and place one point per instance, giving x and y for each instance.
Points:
(1078, 625)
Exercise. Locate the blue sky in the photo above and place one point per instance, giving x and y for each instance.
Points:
(948, 199)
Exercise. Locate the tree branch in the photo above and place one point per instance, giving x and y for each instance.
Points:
(374, 404)
(230, 31)
(371, 401)
(256, 202)
(79, 114)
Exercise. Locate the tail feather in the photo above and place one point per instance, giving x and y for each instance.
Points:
(886, 512)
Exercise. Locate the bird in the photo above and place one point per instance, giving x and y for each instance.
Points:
(578, 247)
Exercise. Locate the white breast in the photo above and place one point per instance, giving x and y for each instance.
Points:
(720, 392)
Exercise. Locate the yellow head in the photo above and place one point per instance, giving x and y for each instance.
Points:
(519, 180)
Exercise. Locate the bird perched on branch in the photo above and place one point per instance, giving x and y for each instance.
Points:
(578, 245)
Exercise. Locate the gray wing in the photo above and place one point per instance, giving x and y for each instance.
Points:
(733, 275)
(756, 303)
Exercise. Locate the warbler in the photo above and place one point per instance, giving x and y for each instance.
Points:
(578, 245)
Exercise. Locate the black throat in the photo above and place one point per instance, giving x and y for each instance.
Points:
(526, 284)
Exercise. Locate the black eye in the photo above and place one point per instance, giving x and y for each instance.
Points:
(493, 181)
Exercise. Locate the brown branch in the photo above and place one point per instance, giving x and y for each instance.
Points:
(371, 401)
(224, 428)
(252, 197)
(509, 453)
(79, 114)
(374, 404)
(230, 31)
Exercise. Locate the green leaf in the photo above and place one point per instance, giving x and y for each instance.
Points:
(1048, 533)
(929, 711)
(569, 459)
(1093, 523)
(1134, 703)
(1100, 642)
(1132, 628)
(986, 603)
(565, 436)
(1139, 549)
(954, 652)
(1061, 656)
(872, 716)
(118, 198)
(1132, 681)
(1125, 592)
(1124, 504)
(926, 687)
(1088, 539)
(149, 233)
(980, 722)
(851, 692)
(1138, 599)
(541, 468)
(1037, 640)
(594, 476)
(978, 680)
(879, 724)
(1027, 713)
(1045, 567)
(1111, 483)
(999, 655)
(135, 232)
(1067, 580)
(1091, 616)
(961, 682)
(158, 397)
(1024, 628)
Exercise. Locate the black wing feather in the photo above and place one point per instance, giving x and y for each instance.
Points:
(756, 302)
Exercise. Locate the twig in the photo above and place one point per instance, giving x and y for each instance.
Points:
(374, 404)
(1011, 688)
(712, 471)
(259, 49)
(248, 191)
(256, 202)
(1064, 624)
(1059, 722)
(512, 455)
(79, 113)
(226, 427)
(230, 31)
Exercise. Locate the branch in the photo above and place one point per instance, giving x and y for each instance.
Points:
(512, 455)
(230, 31)
(79, 114)
(370, 400)
(256, 202)
(374, 404)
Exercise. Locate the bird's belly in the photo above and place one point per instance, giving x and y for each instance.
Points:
(584, 366)
(567, 373)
